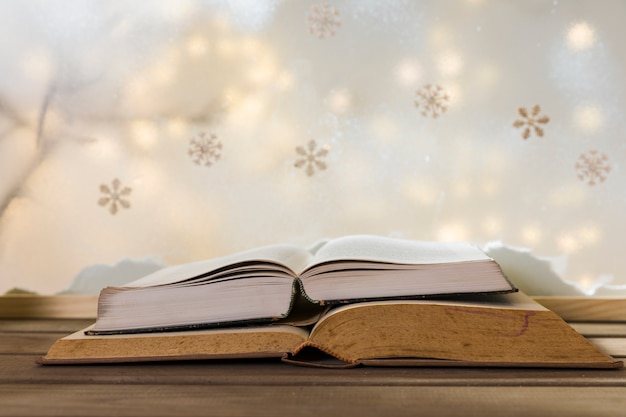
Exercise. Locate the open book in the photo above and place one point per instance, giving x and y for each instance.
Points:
(484, 330)
(264, 284)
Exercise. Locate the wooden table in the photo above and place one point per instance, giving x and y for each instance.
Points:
(271, 388)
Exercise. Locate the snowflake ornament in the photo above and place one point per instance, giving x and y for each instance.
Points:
(205, 149)
(311, 157)
(531, 121)
(432, 100)
(593, 167)
(323, 20)
(113, 196)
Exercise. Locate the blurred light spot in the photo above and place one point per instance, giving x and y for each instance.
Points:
(532, 235)
(263, 70)
(581, 36)
(177, 128)
(588, 118)
(568, 243)
(454, 92)
(450, 63)
(587, 284)
(144, 134)
(162, 74)
(408, 72)
(249, 110)
(339, 101)
(197, 46)
(232, 96)
(452, 232)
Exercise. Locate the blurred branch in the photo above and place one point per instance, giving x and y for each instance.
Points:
(41, 121)
(40, 148)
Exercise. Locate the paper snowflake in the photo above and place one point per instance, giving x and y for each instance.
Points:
(593, 167)
(530, 121)
(311, 157)
(113, 196)
(205, 149)
(431, 100)
(323, 20)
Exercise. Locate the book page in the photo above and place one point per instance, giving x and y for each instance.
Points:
(400, 251)
(292, 258)
(513, 301)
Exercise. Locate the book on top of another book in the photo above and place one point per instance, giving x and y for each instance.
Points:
(355, 300)
(263, 284)
(502, 330)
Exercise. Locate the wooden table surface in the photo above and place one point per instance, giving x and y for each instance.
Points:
(271, 388)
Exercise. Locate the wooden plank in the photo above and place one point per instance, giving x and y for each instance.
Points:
(62, 326)
(195, 400)
(57, 306)
(614, 346)
(600, 329)
(27, 343)
(22, 369)
(608, 309)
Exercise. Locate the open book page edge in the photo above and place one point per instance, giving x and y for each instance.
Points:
(296, 310)
(291, 257)
(391, 250)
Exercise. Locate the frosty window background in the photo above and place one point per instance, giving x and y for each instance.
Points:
(163, 132)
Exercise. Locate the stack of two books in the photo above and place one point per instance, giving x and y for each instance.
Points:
(355, 300)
